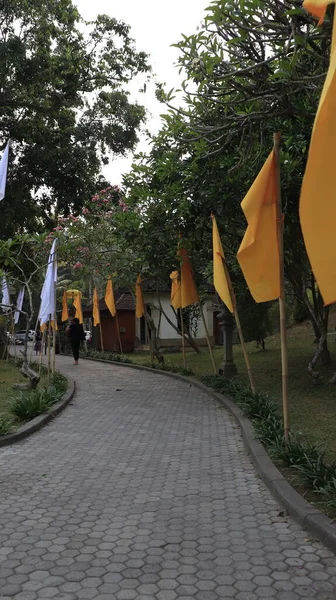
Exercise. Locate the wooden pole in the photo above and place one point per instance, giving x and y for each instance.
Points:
(49, 353)
(13, 333)
(41, 355)
(282, 302)
(54, 348)
(239, 328)
(118, 332)
(208, 341)
(32, 348)
(149, 340)
(54, 320)
(101, 337)
(183, 340)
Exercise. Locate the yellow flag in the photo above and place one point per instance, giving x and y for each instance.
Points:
(189, 293)
(65, 311)
(96, 313)
(45, 326)
(220, 280)
(318, 203)
(258, 254)
(109, 298)
(140, 307)
(175, 295)
(78, 306)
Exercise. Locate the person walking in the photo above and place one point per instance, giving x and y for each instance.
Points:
(38, 343)
(76, 334)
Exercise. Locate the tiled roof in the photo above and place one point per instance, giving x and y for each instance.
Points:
(124, 301)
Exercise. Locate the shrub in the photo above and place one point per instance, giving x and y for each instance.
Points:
(59, 382)
(94, 354)
(27, 406)
(5, 426)
(316, 472)
(170, 368)
(295, 452)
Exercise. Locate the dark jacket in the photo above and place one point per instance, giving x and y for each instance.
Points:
(76, 332)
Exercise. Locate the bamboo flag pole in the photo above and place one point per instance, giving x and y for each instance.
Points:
(101, 337)
(13, 333)
(282, 302)
(239, 327)
(41, 355)
(32, 348)
(14, 341)
(183, 340)
(54, 348)
(118, 332)
(49, 353)
(54, 320)
(208, 341)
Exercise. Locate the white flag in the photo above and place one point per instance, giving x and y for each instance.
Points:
(5, 295)
(3, 171)
(48, 303)
(19, 303)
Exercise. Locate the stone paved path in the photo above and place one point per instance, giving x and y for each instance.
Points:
(142, 489)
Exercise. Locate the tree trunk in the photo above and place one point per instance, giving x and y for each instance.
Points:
(26, 370)
(3, 342)
(187, 335)
(33, 377)
(155, 351)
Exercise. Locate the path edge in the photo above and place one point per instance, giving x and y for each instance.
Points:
(309, 517)
(35, 424)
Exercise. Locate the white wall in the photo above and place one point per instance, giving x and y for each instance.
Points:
(167, 332)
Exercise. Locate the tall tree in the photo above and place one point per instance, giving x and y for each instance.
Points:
(64, 104)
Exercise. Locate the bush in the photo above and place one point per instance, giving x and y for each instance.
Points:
(59, 382)
(316, 472)
(94, 354)
(170, 368)
(5, 426)
(28, 405)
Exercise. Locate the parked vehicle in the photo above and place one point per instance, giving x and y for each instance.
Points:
(21, 335)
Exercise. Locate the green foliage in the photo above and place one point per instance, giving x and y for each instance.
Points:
(5, 425)
(93, 354)
(316, 472)
(59, 382)
(64, 104)
(27, 406)
(171, 368)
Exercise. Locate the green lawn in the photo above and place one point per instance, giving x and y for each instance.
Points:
(10, 374)
(312, 407)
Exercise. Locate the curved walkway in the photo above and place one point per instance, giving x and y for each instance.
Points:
(142, 489)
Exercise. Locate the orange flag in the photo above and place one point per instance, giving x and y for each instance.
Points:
(189, 293)
(317, 202)
(219, 274)
(175, 295)
(78, 306)
(140, 307)
(317, 8)
(96, 313)
(109, 298)
(258, 254)
(65, 311)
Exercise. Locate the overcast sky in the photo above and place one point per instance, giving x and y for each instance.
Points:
(155, 26)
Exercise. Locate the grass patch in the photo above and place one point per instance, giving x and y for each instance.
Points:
(30, 405)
